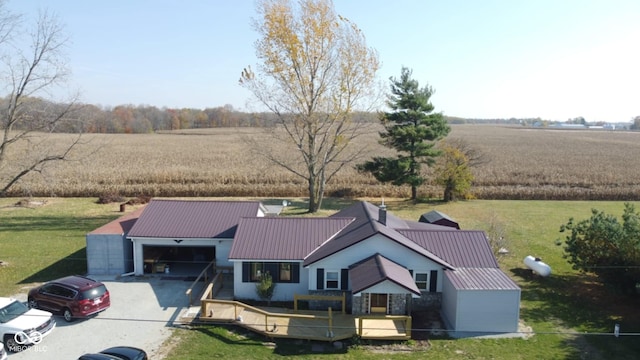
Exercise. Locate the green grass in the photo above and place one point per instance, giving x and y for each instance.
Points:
(568, 310)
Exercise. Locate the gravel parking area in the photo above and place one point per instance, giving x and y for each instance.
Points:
(142, 313)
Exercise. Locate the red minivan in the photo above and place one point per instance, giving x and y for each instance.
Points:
(72, 296)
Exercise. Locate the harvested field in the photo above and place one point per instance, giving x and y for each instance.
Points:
(524, 163)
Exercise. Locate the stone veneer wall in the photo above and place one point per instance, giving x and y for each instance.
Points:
(427, 301)
(334, 305)
(399, 303)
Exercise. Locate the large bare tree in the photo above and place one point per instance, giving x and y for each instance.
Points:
(316, 70)
(32, 65)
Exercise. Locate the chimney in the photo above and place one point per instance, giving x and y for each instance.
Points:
(382, 214)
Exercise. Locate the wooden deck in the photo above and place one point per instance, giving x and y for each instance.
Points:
(308, 325)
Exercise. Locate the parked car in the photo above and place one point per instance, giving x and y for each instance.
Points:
(20, 326)
(117, 353)
(72, 296)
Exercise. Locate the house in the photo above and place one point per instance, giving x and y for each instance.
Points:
(382, 263)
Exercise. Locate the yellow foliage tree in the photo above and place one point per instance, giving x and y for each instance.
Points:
(454, 173)
(315, 70)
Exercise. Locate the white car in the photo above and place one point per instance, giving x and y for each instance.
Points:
(21, 327)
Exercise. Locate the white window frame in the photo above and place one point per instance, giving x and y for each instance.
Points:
(426, 281)
(337, 279)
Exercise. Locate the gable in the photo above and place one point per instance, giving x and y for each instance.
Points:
(376, 270)
(365, 226)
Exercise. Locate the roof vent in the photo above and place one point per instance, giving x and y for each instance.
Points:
(382, 214)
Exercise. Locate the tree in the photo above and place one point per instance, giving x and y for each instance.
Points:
(454, 173)
(27, 73)
(266, 287)
(635, 123)
(315, 70)
(453, 169)
(606, 247)
(412, 129)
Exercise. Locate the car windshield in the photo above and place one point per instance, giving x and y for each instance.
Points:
(94, 293)
(12, 311)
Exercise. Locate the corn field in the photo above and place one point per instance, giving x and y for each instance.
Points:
(522, 163)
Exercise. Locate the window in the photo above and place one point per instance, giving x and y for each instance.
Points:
(422, 281)
(333, 280)
(285, 272)
(281, 272)
(256, 271)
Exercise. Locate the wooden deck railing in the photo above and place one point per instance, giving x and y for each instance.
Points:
(204, 273)
(342, 299)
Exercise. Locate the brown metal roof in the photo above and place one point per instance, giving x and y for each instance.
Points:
(192, 218)
(119, 226)
(480, 279)
(366, 225)
(287, 238)
(376, 269)
(460, 248)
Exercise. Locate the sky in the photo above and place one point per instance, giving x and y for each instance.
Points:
(552, 59)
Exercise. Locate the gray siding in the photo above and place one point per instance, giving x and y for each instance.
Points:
(108, 254)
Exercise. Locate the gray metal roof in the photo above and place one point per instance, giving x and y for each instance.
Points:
(364, 226)
(460, 248)
(287, 238)
(480, 279)
(376, 269)
(192, 218)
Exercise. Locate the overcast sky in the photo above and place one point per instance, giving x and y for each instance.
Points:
(554, 59)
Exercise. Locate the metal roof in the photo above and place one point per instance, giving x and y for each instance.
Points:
(460, 248)
(119, 226)
(288, 238)
(364, 226)
(376, 269)
(192, 218)
(480, 279)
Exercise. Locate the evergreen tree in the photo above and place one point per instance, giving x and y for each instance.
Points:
(412, 129)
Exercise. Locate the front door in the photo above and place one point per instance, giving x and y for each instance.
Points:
(378, 303)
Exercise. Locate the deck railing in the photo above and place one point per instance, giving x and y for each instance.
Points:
(204, 273)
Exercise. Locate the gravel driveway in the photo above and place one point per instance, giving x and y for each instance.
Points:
(142, 312)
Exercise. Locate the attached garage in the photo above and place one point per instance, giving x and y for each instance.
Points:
(481, 300)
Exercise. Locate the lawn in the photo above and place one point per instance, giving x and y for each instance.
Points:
(571, 314)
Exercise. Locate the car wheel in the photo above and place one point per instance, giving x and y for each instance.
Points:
(68, 316)
(10, 344)
(32, 303)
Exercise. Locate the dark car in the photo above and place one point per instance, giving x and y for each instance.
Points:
(117, 353)
(72, 296)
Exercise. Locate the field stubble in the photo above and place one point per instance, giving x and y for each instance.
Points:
(523, 164)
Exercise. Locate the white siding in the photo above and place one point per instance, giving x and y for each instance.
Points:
(283, 291)
(376, 244)
(488, 310)
(480, 311)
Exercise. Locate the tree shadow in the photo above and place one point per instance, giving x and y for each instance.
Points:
(72, 264)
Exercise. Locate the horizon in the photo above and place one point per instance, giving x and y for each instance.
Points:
(496, 59)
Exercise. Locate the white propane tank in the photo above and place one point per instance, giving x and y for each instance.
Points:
(538, 266)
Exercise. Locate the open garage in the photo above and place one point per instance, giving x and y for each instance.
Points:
(177, 259)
